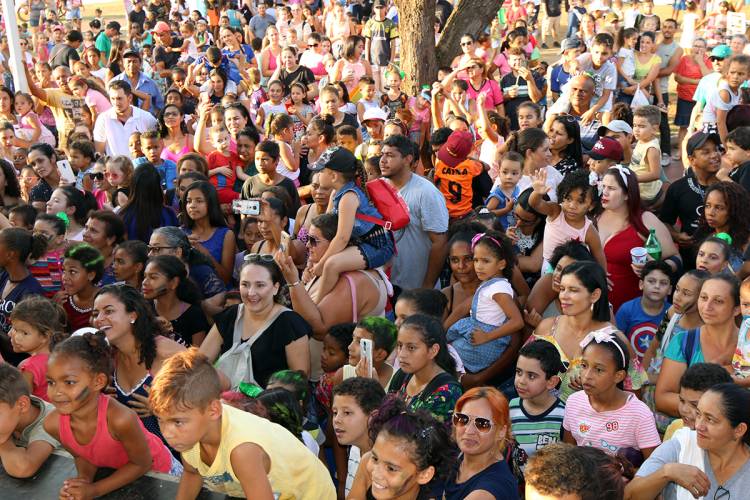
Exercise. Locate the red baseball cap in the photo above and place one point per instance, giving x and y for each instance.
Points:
(607, 148)
(161, 27)
(456, 148)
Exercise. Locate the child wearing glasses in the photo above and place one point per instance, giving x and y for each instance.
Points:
(536, 415)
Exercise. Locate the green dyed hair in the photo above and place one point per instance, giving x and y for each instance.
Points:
(294, 380)
(383, 332)
(89, 257)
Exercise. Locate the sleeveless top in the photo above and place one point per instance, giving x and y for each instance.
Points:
(357, 70)
(106, 451)
(168, 154)
(558, 231)
(361, 227)
(215, 244)
(125, 397)
(295, 472)
(617, 253)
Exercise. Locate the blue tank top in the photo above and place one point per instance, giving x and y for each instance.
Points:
(150, 422)
(215, 244)
(361, 227)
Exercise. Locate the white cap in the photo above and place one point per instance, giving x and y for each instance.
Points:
(374, 113)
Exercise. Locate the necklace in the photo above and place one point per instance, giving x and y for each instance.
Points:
(78, 309)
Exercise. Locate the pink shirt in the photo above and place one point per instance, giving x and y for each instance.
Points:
(37, 366)
(97, 100)
(490, 89)
(631, 426)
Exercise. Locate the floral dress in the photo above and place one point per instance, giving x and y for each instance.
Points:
(439, 397)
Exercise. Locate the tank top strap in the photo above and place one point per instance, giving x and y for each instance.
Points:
(353, 290)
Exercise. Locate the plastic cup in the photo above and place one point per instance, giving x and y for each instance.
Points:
(639, 255)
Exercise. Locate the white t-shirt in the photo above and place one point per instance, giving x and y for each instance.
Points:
(605, 78)
(628, 63)
(714, 103)
(351, 468)
(553, 179)
(488, 310)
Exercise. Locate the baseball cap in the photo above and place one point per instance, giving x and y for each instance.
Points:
(374, 114)
(698, 139)
(614, 126)
(161, 27)
(456, 148)
(58, 27)
(131, 53)
(379, 3)
(336, 158)
(607, 148)
(721, 51)
(571, 43)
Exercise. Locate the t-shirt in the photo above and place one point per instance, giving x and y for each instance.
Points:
(689, 69)
(741, 175)
(269, 350)
(104, 44)
(68, 112)
(534, 432)
(496, 479)
(190, 322)
(605, 78)
(488, 311)
(675, 351)
(35, 430)
(490, 88)
(36, 365)
(558, 78)
(455, 185)
(169, 59)
(259, 24)
(683, 201)
(511, 104)
(427, 214)
(668, 453)
(254, 188)
(380, 33)
(638, 326)
(220, 181)
(301, 75)
(63, 55)
(631, 426)
(706, 85)
(136, 17)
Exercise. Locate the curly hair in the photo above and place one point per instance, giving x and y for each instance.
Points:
(737, 200)
(89, 257)
(146, 327)
(427, 440)
(91, 348)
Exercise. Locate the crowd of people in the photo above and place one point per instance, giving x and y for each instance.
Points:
(236, 249)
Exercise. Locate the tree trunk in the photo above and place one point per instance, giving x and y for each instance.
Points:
(416, 27)
(469, 16)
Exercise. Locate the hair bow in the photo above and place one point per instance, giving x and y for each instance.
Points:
(604, 335)
(624, 173)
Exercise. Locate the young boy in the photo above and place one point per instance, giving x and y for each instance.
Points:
(646, 159)
(382, 332)
(22, 216)
(346, 137)
(380, 35)
(152, 146)
(606, 153)
(537, 414)
(223, 166)
(237, 453)
(604, 73)
(639, 318)
(696, 380)
(354, 400)
(738, 154)
(24, 445)
(741, 357)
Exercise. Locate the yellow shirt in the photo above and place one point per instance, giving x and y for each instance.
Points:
(675, 426)
(67, 110)
(639, 165)
(296, 474)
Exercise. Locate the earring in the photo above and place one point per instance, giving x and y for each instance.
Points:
(132, 321)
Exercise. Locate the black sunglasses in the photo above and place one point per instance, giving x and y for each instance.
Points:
(96, 176)
(258, 257)
(312, 241)
(714, 58)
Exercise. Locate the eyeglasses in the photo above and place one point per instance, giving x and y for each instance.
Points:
(716, 59)
(313, 242)
(258, 257)
(722, 494)
(482, 424)
(522, 220)
(96, 176)
(158, 250)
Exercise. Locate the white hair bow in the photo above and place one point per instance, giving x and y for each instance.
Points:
(601, 336)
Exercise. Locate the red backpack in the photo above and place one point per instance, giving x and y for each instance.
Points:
(389, 203)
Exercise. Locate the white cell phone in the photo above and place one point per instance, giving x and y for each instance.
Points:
(66, 172)
(365, 346)
(246, 207)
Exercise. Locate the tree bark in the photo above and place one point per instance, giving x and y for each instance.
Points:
(416, 27)
(469, 16)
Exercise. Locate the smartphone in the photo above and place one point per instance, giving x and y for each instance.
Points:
(365, 346)
(246, 207)
(66, 172)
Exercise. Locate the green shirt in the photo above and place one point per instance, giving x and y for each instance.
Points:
(104, 44)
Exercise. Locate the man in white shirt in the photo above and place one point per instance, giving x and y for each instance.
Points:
(114, 127)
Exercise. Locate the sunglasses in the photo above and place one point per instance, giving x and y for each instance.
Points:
(313, 44)
(714, 58)
(258, 257)
(313, 242)
(96, 176)
(482, 424)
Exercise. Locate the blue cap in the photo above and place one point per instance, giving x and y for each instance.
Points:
(721, 51)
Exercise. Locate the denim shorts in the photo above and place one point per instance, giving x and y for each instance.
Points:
(73, 14)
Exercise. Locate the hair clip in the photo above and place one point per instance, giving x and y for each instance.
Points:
(63, 217)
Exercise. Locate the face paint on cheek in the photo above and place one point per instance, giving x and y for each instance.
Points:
(83, 394)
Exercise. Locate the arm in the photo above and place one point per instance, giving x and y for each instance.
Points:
(436, 258)
(24, 462)
(36, 91)
(668, 386)
(654, 167)
(347, 212)
(595, 245)
(536, 94)
(514, 321)
(673, 61)
(668, 247)
(531, 263)
(721, 123)
(251, 464)
(289, 156)
(298, 355)
(191, 483)
(211, 346)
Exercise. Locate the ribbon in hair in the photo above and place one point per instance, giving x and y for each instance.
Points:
(602, 336)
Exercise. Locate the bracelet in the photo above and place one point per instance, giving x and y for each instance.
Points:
(298, 282)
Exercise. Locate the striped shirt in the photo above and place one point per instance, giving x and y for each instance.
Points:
(534, 432)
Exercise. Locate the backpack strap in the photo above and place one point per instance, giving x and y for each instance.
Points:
(386, 224)
(440, 380)
(689, 344)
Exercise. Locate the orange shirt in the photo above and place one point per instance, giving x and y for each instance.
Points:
(455, 184)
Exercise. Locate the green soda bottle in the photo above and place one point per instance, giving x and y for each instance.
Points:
(652, 246)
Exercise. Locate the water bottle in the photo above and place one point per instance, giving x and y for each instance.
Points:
(652, 246)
